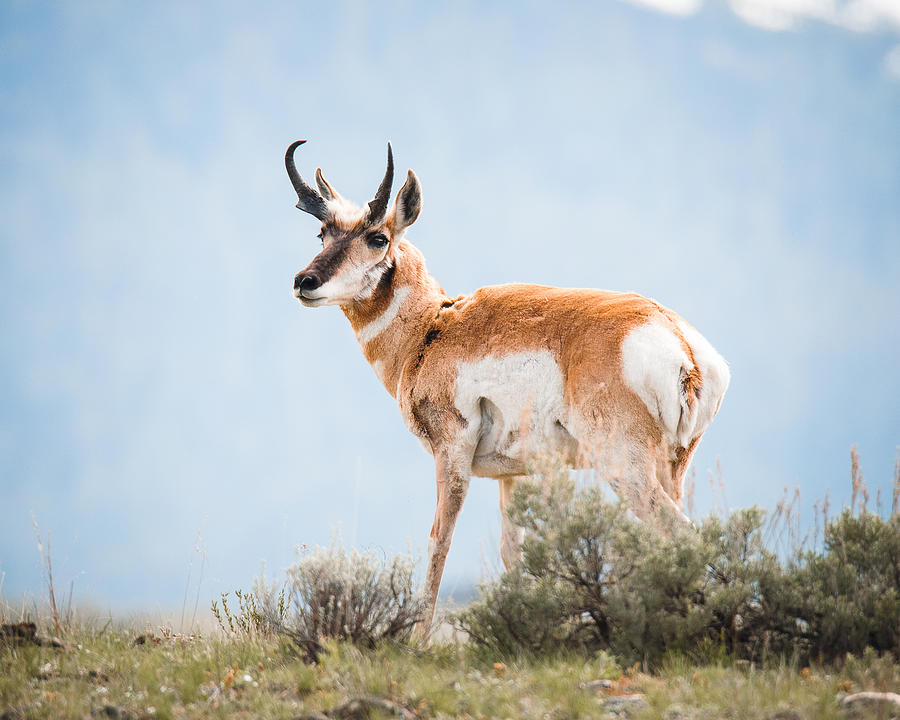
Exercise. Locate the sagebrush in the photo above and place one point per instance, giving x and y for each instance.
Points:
(352, 596)
(330, 594)
(594, 578)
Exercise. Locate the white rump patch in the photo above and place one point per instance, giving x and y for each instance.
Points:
(382, 322)
(652, 360)
(716, 377)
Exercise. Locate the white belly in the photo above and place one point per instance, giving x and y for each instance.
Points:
(516, 401)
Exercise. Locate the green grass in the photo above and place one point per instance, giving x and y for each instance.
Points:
(844, 590)
(207, 677)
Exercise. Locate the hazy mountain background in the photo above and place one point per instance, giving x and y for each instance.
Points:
(164, 400)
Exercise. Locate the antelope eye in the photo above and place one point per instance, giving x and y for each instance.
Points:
(377, 242)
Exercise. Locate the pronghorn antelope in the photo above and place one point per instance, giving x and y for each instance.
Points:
(491, 381)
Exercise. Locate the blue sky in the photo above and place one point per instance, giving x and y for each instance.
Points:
(161, 388)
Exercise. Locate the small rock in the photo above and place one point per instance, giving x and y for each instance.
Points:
(595, 685)
(19, 633)
(624, 704)
(111, 711)
(145, 639)
(860, 704)
(214, 692)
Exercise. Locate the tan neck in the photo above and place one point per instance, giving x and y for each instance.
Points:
(391, 324)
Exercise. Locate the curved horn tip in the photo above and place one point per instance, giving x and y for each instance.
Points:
(378, 205)
(293, 146)
(308, 199)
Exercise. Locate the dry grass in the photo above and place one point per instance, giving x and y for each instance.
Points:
(240, 677)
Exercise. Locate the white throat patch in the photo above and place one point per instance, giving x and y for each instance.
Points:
(382, 322)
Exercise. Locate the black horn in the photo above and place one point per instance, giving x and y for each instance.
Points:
(308, 199)
(378, 205)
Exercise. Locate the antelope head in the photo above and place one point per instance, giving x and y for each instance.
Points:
(357, 243)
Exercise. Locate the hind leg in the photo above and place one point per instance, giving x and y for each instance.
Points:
(638, 486)
(640, 475)
(511, 535)
(679, 468)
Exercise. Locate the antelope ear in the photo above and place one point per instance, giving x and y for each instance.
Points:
(325, 189)
(408, 203)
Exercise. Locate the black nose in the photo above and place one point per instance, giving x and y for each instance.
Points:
(306, 281)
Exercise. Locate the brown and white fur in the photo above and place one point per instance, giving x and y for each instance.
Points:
(493, 381)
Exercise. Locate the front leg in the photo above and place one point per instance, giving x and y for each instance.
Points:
(452, 484)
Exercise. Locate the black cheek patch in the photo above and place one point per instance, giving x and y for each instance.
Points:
(384, 282)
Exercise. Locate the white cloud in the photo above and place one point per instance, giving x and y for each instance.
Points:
(780, 15)
(673, 7)
(868, 15)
